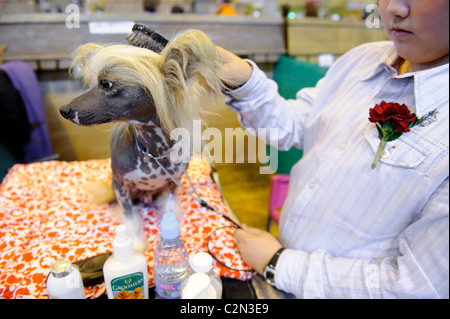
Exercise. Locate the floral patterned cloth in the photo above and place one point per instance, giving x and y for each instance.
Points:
(46, 215)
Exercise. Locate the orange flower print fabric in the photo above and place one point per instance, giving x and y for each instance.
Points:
(46, 215)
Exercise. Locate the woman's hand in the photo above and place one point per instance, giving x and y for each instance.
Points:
(237, 71)
(256, 246)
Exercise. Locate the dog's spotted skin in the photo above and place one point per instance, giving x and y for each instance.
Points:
(134, 178)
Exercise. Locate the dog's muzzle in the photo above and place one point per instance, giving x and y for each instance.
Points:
(66, 111)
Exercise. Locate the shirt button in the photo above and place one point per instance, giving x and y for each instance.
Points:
(385, 154)
(343, 145)
(312, 183)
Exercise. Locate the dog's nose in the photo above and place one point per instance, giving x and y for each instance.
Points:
(66, 111)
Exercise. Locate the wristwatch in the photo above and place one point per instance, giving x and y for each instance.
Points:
(269, 270)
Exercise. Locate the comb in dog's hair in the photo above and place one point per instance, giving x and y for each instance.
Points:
(144, 37)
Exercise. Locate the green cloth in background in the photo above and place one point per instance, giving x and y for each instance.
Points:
(292, 75)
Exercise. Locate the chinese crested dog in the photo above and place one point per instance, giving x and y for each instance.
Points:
(149, 88)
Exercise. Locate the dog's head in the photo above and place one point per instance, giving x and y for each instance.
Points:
(128, 83)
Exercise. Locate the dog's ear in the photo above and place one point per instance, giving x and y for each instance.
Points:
(191, 69)
(191, 57)
(192, 72)
(81, 64)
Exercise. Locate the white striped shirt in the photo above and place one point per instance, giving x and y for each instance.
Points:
(353, 231)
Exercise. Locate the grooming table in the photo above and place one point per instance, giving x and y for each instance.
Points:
(46, 215)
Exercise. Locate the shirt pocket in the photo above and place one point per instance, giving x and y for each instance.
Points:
(404, 152)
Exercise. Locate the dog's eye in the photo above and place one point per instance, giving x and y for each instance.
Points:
(105, 84)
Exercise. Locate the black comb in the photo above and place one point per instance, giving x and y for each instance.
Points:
(145, 37)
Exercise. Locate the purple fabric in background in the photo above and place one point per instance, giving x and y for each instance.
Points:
(25, 81)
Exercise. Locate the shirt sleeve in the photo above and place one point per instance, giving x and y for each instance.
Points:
(420, 270)
(259, 105)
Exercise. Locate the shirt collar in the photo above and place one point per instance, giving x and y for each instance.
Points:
(431, 87)
(384, 63)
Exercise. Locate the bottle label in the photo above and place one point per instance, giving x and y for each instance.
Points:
(128, 287)
(168, 290)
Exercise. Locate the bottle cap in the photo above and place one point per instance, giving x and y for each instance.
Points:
(61, 267)
(196, 286)
(122, 245)
(201, 262)
(170, 228)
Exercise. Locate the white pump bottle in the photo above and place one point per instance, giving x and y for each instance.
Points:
(125, 271)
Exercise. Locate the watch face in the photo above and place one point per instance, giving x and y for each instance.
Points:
(269, 275)
(269, 271)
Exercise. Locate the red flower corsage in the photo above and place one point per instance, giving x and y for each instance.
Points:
(392, 120)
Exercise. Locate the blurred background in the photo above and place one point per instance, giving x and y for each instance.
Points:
(270, 7)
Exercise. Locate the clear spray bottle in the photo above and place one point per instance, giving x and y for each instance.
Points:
(170, 260)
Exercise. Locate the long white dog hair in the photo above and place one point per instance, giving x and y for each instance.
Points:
(178, 79)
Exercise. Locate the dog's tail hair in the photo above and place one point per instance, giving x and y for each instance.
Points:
(99, 192)
(169, 201)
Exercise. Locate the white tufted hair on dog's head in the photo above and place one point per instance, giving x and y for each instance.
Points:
(179, 79)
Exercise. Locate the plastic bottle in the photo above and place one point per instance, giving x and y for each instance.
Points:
(64, 281)
(125, 271)
(198, 286)
(202, 281)
(170, 260)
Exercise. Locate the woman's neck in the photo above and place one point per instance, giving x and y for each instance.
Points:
(405, 66)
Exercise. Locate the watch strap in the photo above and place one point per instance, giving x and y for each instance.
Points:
(274, 260)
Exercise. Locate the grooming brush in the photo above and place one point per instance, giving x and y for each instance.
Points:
(144, 37)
